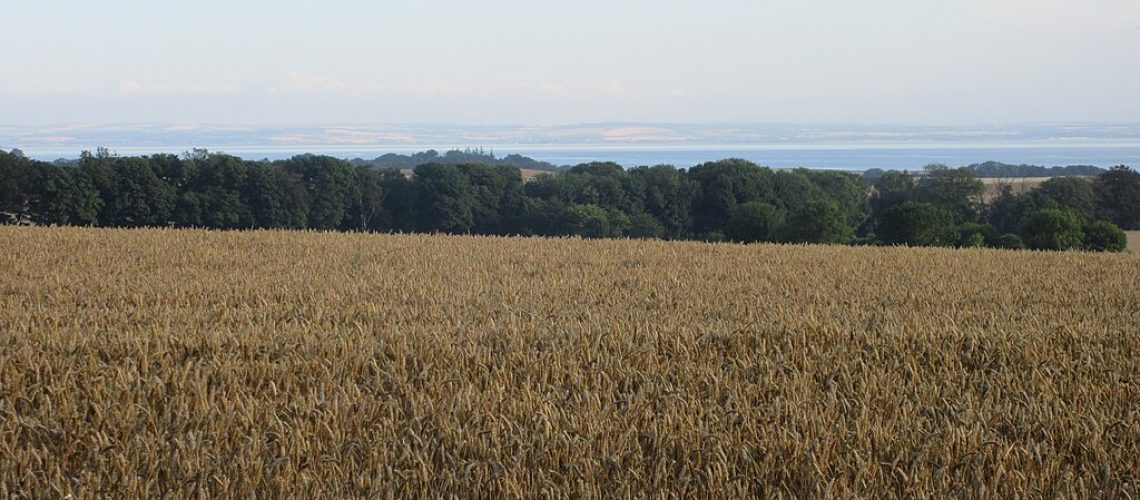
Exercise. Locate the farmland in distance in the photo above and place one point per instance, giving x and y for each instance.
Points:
(145, 362)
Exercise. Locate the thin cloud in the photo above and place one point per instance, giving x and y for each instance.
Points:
(132, 87)
(310, 83)
(1062, 15)
(125, 88)
(672, 93)
(553, 89)
(45, 92)
(616, 88)
(588, 91)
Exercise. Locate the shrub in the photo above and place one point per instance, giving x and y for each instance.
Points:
(589, 221)
(1104, 236)
(1053, 229)
(1011, 242)
(977, 235)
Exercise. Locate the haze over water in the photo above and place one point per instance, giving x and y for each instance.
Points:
(832, 157)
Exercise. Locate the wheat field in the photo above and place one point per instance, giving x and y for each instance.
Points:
(164, 363)
(1018, 185)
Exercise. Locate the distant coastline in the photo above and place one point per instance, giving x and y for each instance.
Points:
(859, 157)
(850, 147)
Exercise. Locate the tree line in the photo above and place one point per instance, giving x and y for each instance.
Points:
(999, 170)
(455, 156)
(727, 200)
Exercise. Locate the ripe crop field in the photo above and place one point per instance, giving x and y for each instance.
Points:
(1018, 185)
(143, 363)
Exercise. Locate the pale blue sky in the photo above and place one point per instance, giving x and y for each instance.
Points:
(508, 61)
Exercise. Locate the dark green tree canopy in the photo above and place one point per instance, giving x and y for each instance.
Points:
(956, 190)
(1118, 195)
(819, 221)
(1104, 236)
(590, 221)
(15, 184)
(725, 184)
(330, 187)
(754, 221)
(973, 234)
(445, 199)
(918, 224)
(645, 226)
(729, 199)
(1072, 193)
(1053, 229)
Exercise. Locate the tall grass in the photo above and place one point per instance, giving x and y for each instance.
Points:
(190, 363)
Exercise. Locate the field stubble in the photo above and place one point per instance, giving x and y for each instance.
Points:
(144, 362)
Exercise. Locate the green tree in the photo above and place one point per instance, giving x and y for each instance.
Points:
(544, 217)
(752, 222)
(445, 200)
(99, 169)
(792, 189)
(846, 189)
(645, 226)
(274, 197)
(1104, 236)
(589, 221)
(399, 200)
(368, 206)
(972, 240)
(496, 192)
(819, 221)
(1118, 197)
(330, 188)
(15, 180)
(891, 189)
(723, 185)
(64, 196)
(1052, 229)
(978, 235)
(1073, 193)
(955, 189)
(222, 185)
(607, 185)
(668, 197)
(140, 198)
(1011, 242)
(619, 223)
(917, 224)
(1007, 210)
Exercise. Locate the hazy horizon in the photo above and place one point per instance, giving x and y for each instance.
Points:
(958, 62)
(78, 124)
(853, 147)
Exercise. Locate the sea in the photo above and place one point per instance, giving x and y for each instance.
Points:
(846, 157)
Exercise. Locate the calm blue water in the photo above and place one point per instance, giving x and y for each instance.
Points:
(810, 156)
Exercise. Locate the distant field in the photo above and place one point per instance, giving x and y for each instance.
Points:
(1134, 241)
(152, 363)
(1018, 184)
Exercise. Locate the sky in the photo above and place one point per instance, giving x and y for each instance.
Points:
(290, 62)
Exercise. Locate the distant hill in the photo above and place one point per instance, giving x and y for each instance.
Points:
(998, 169)
(456, 156)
